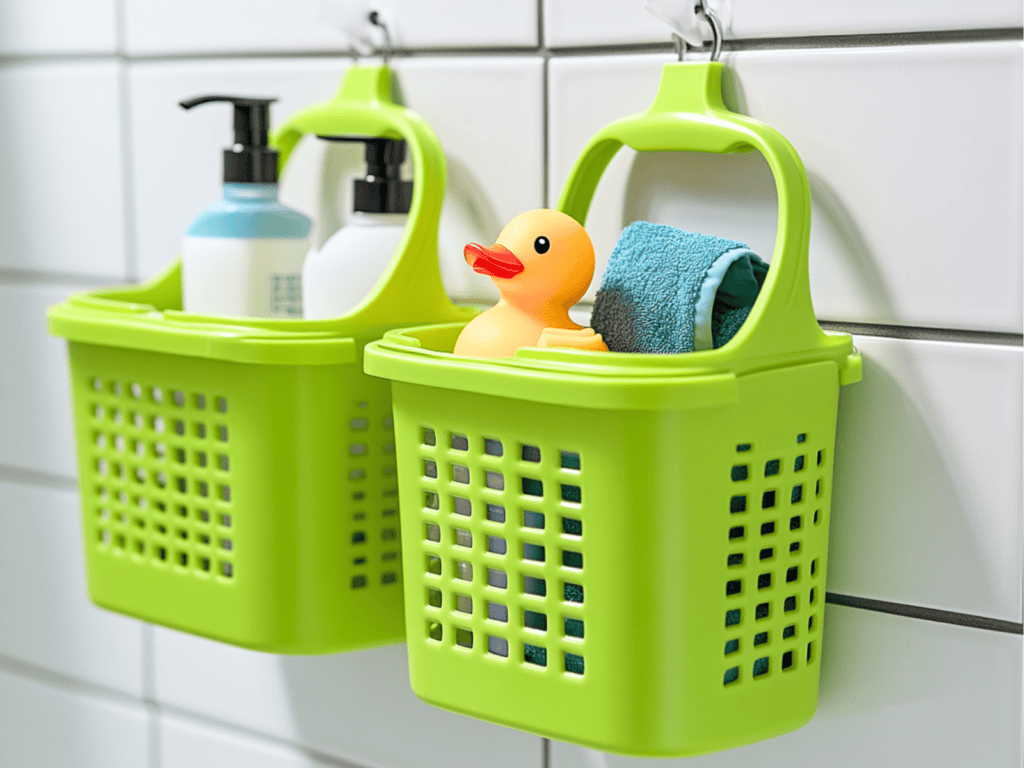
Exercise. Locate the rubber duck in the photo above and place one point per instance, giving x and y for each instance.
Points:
(542, 263)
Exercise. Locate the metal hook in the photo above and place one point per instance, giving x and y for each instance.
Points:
(704, 9)
(680, 45)
(387, 50)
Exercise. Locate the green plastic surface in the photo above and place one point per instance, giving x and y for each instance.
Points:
(237, 475)
(628, 551)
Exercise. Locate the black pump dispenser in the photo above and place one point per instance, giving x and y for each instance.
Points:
(382, 191)
(249, 160)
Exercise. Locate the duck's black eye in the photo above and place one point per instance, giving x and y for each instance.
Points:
(541, 245)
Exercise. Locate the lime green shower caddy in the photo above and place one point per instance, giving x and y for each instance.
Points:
(237, 476)
(628, 551)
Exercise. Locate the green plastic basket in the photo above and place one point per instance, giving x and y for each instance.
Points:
(627, 551)
(238, 476)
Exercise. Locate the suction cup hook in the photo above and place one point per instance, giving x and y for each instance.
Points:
(387, 50)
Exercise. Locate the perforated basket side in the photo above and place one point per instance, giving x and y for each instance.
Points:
(247, 503)
(582, 574)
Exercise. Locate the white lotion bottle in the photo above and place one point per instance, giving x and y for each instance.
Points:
(243, 255)
(338, 277)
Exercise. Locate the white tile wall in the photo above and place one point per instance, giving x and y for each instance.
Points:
(188, 743)
(354, 706)
(914, 156)
(48, 621)
(35, 397)
(894, 692)
(927, 495)
(608, 22)
(38, 27)
(44, 726)
(244, 26)
(903, 186)
(62, 200)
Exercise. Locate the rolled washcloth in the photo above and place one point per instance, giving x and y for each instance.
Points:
(666, 290)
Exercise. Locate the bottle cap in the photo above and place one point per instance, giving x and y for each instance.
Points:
(382, 190)
(249, 160)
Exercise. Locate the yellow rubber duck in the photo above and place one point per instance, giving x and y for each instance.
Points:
(542, 263)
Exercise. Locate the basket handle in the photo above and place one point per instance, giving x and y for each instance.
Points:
(410, 290)
(688, 114)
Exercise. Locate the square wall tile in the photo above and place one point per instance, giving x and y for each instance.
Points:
(43, 725)
(902, 186)
(61, 175)
(47, 618)
(353, 706)
(39, 27)
(35, 396)
(245, 26)
(927, 498)
(894, 692)
(190, 743)
(607, 22)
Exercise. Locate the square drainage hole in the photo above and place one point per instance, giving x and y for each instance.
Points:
(738, 504)
(761, 667)
(497, 612)
(731, 646)
(463, 570)
(497, 545)
(573, 627)
(494, 481)
(434, 631)
(573, 663)
(532, 487)
(494, 448)
(572, 593)
(496, 513)
(787, 660)
(460, 442)
(463, 603)
(460, 474)
(535, 654)
(732, 617)
(428, 437)
(497, 645)
(531, 453)
(739, 472)
(534, 620)
(497, 578)
(533, 519)
(572, 526)
(731, 675)
(572, 559)
(570, 460)
(534, 586)
(463, 637)
(462, 538)
(534, 552)
(434, 598)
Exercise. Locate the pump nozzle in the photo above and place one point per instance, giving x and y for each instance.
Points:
(249, 160)
(382, 191)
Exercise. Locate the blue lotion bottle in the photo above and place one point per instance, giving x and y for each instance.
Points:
(242, 256)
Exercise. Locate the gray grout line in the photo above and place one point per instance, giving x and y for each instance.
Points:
(870, 40)
(31, 277)
(32, 477)
(925, 334)
(66, 682)
(304, 749)
(127, 174)
(928, 614)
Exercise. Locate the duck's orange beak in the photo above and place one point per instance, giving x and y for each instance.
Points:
(496, 261)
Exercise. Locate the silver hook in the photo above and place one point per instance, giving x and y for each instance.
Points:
(387, 50)
(716, 28)
(680, 45)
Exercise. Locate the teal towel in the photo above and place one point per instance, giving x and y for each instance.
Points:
(669, 291)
